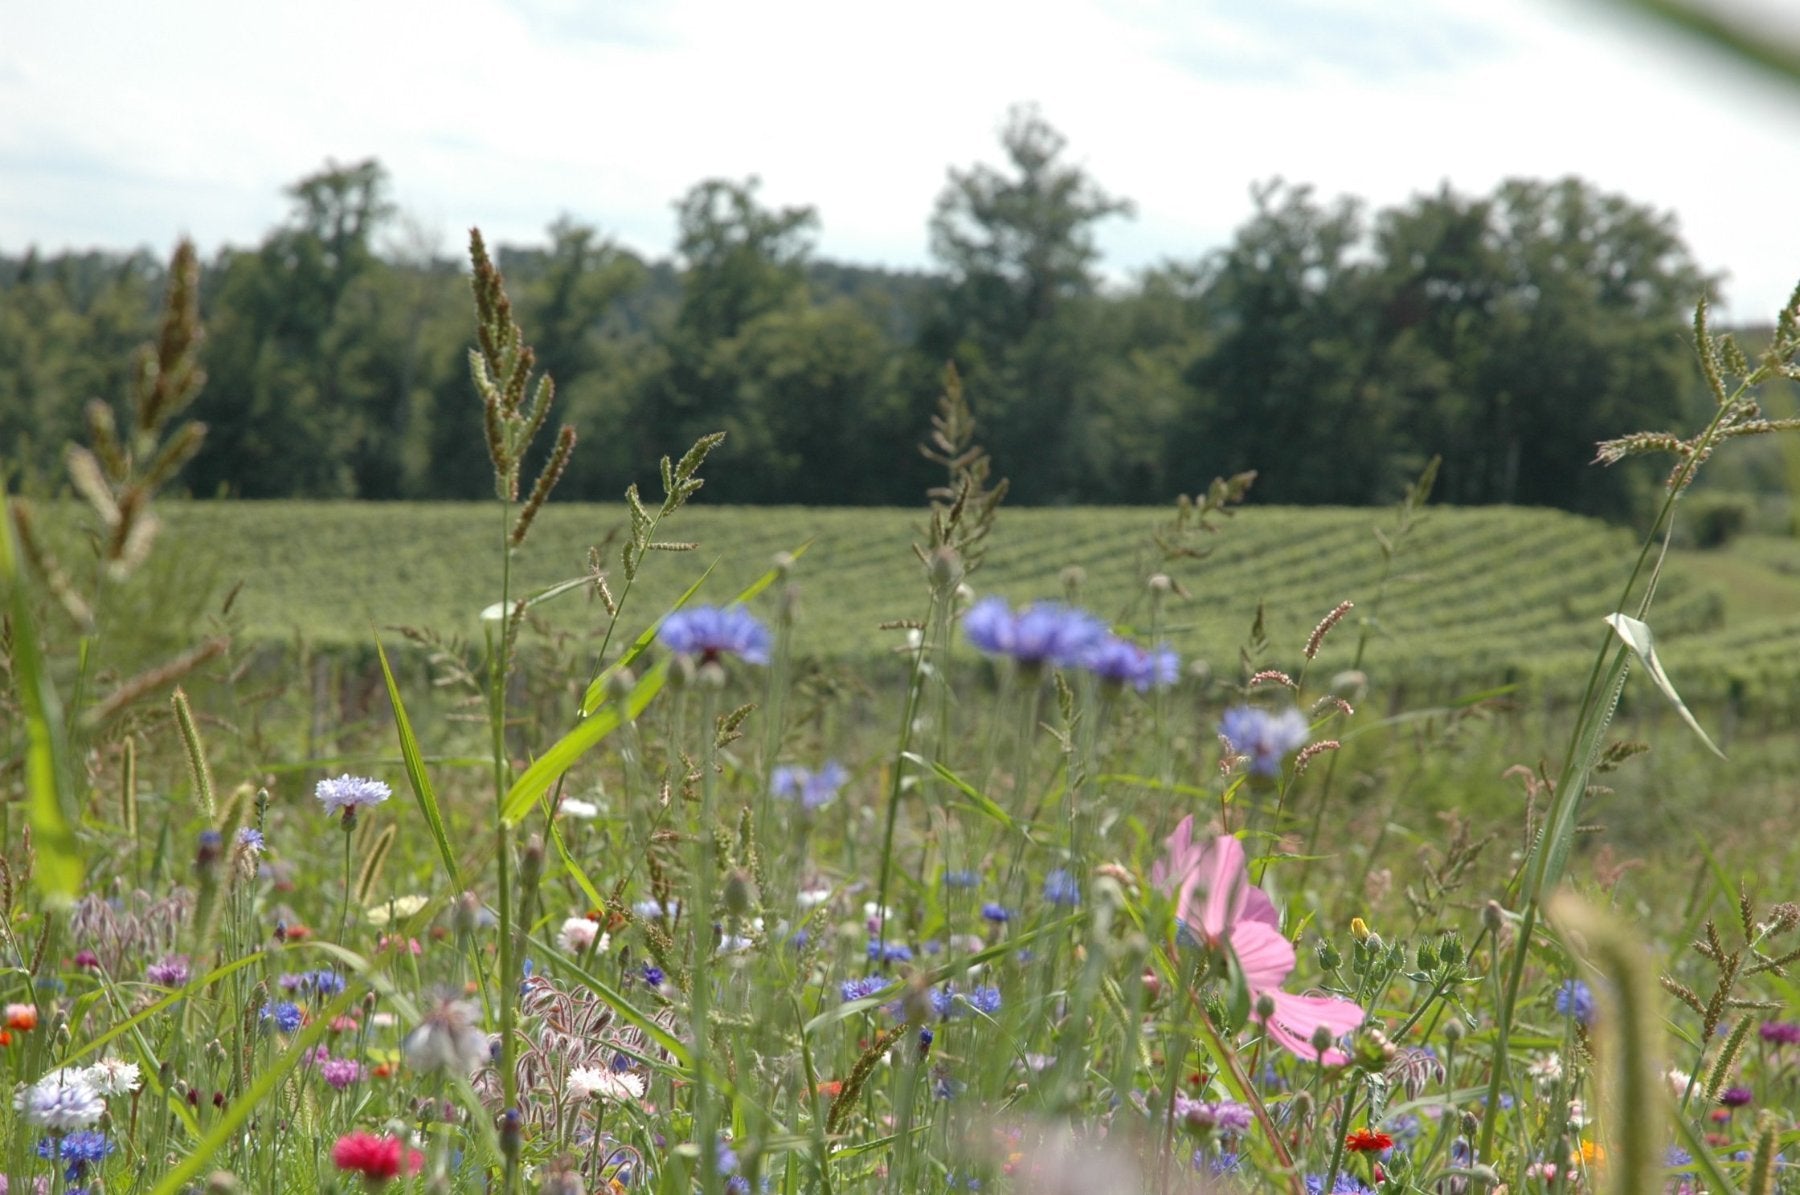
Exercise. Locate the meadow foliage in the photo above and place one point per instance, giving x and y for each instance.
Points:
(1036, 905)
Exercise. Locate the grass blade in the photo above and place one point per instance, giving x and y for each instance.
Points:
(416, 776)
(543, 772)
(58, 871)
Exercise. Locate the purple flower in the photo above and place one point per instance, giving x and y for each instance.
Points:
(1573, 999)
(1263, 736)
(857, 989)
(1121, 662)
(1736, 1097)
(815, 790)
(1781, 1033)
(1042, 633)
(349, 793)
(340, 1072)
(1061, 888)
(710, 632)
(170, 971)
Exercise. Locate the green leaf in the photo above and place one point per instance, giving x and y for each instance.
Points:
(416, 776)
(1637, 636)
(578, 742)
(49, 807)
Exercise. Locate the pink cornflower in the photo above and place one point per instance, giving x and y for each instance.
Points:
(1224, 911)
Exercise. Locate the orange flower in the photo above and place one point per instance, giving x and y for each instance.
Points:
(21, 1016)
(5, 1038)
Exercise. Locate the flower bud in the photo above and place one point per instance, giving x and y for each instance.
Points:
(619, 683)
(739, 895)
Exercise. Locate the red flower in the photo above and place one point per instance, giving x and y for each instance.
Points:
(1368, 1141)
(377, 1159)
(21, 1016)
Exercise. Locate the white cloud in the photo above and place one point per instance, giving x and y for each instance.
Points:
(193, 115)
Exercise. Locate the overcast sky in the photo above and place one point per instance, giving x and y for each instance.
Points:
(126, 124)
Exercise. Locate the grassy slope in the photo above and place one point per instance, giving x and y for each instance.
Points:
(1476, 592)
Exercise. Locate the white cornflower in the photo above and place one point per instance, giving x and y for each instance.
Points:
(581, 810)
(62, 1100)
(1546, 1069)
(578, 933)
(596, 1082)
(447, 1039)
(350, 793)
(111, 1076)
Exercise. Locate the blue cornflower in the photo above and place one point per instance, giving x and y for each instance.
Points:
(1061, 888)
(349, 793)
(1263, 736)
(961, 879)
(653, 975)
(999, 914)
(889, 952)
(984, 1000)
(1042, 633)
(286, 1015)
(1122, 662)
(710, 632)
(250, 841)
(323, 984)
(857, 989)
(1574, 999)
(80, 1149)
(815, 790)
(1315, 1185)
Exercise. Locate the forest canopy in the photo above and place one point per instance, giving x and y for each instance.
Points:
(1332, 348)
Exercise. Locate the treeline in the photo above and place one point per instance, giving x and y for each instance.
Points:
(1333, 349)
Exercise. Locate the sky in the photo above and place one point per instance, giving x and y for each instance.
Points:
(127, 124)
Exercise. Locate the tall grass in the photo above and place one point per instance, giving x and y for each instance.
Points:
(1037, 909)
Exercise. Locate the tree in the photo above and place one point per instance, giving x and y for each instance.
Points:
(1285, 387)
(741, 262)
(1016, 314)
(1524, 328)
(302, 399)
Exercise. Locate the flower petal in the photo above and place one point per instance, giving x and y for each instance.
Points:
(1266, 958)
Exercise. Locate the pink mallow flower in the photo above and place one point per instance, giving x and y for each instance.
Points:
(1223, 911)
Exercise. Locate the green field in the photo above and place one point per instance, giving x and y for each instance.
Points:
(1476, 597)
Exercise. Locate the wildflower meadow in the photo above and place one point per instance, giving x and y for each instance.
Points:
(1038, 905)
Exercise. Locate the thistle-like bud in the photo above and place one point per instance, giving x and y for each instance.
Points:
(619, 683)
(531, 864)
(1321, 1035)
(946, 568)
(1453, 1031)
(739, 895)
(222, 1182)
(467, 916)
(1493, 917)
